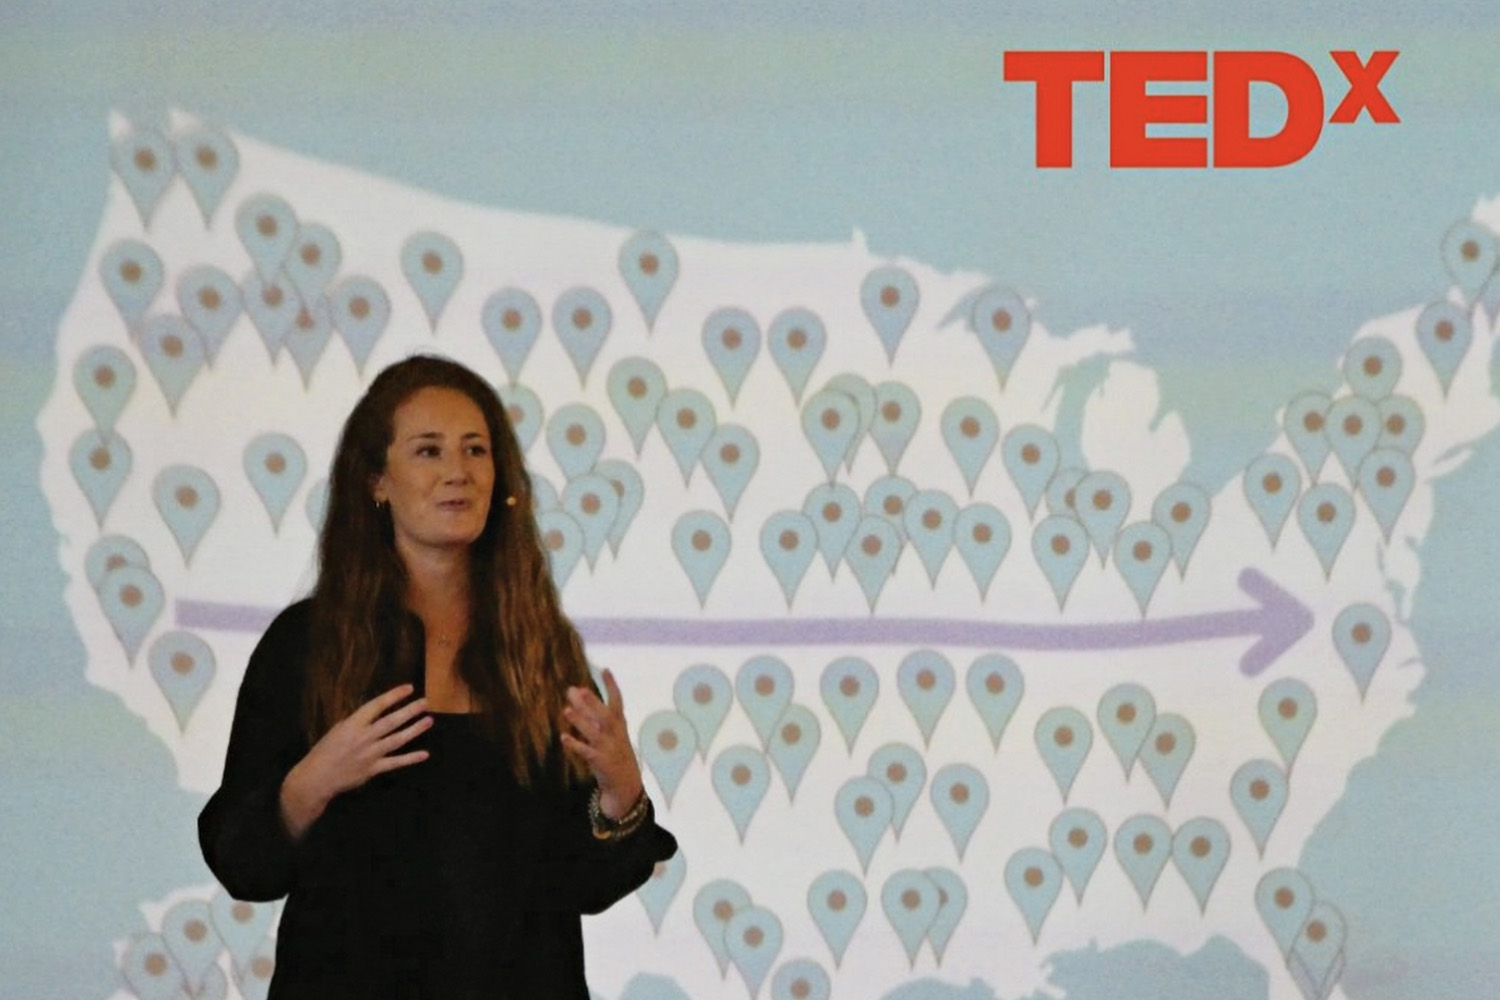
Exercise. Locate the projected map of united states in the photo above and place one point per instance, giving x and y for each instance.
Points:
(935, 679)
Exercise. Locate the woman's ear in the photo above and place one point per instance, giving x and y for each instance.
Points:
(377, 490)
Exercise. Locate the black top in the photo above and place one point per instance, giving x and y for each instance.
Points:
(442, 879)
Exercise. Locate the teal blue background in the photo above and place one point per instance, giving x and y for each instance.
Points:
(772, 122)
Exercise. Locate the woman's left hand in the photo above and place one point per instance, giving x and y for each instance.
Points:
(601, 740)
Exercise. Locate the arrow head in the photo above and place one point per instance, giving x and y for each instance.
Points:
(1282, 620)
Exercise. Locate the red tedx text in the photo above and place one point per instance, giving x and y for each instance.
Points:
(1133, 108)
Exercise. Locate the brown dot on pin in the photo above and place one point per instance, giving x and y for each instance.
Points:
(765, 686)
(788, 540)
(754, 936)
(890, 296)
(131, 272)
(796, 339)
(667, 740)
(275, 463)
(649, 264)
(359, 307)
(1312, 422)
(791, 734)
(207, 157)
(1060, 545)
(895, 772)
(926, 679)
(740, 775)
(686, 419)
(732, 338)
(864, 806)
(1000, 321)
(1063, 736)
(582, 318)
(849, 685)
(994, 683)
(959, 793)
(208, 298)
(983, 533)
(830, 419)
(1033, 877)
(911, 899)
(837, 900)
(432, 262)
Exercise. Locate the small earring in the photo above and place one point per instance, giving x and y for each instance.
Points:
(510, 501)
(380, 505)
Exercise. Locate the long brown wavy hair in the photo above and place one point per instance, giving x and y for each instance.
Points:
(521, 653)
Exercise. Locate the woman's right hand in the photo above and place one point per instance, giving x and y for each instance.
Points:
(355, 750)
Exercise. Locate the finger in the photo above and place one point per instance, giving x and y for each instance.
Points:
(616, 699)
(590, 724)
(584, 753)
(399, 760)
(400, 738)
(396, 718)
(382, 703)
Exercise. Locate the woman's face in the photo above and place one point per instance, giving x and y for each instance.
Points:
(439, 472)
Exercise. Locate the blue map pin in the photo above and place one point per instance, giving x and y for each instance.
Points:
(1002, 323)
(1142, 846)
(512, 321)
(1077, 838)
(582, 319)
(188, 932)
(929, 522)
(143, 160)
(648, 264)
(1353, 429)
(1284, 898)
(1272, 483)
(563, 540)
(1305, 423)
(210, 301)
(1062, 491)
(1030, 455)
(897, 413)
(1386, 478)
(740, 779)
(110, 553)
(1401, 424)
(1444, 333)
(1317, 958)
(830, 422)
(267, 228)
(575, 437)
(1372, 368)
(731, 339)
(275, 465)
(667, 741)
(271, 306)
(243, 927)
(1060, 545)
(174, 354)
(313, 260)
(888, 296)
(1033, 878)
(788, 542)
(910, 901)
(995, 687)
(100, 462)
(360, 310)
(1127, 713)
(1167, 751)
(686, 420)
(753, 937)
(1182, 510)
(630, 492)
(703, 695)
(132, 599)
(132, 275)
(953, 900)
(208, 162)
(796, 340)
(635, 387)
(794, 741)
(1063, 738)
(863, 808)
(801, 979)
(1362, 634)
(863, 394)
(150, 969)
(1142, 551)
(730, 458)
(1288, 709)
(215, 985)
(523, 409)
(970, 430)
(887, 497)
(700, 540)
(833, 508)
(1200, 850)
(592, 502)
(1326, 513)
(960, 796)
(1259, 792)
(188, 501)
(1102, 500)
(836, 902)
(982, 536)
(903, 772)
(658, 891)
(764, 686)
(183, 666)
(1469, 252)
(872, 555)
(925, 682)
(849, 687)
(714, 905)
(433, 266)
(307, 337)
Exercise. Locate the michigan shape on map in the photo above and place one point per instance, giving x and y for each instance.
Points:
(931, 690)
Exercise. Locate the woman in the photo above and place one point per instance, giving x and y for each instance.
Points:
(419, 760)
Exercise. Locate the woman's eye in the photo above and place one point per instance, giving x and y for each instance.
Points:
(428, 451)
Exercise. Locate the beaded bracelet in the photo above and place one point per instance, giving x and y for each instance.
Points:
(606, 828)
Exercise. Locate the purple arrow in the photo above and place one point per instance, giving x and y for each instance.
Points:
(1277, 618)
